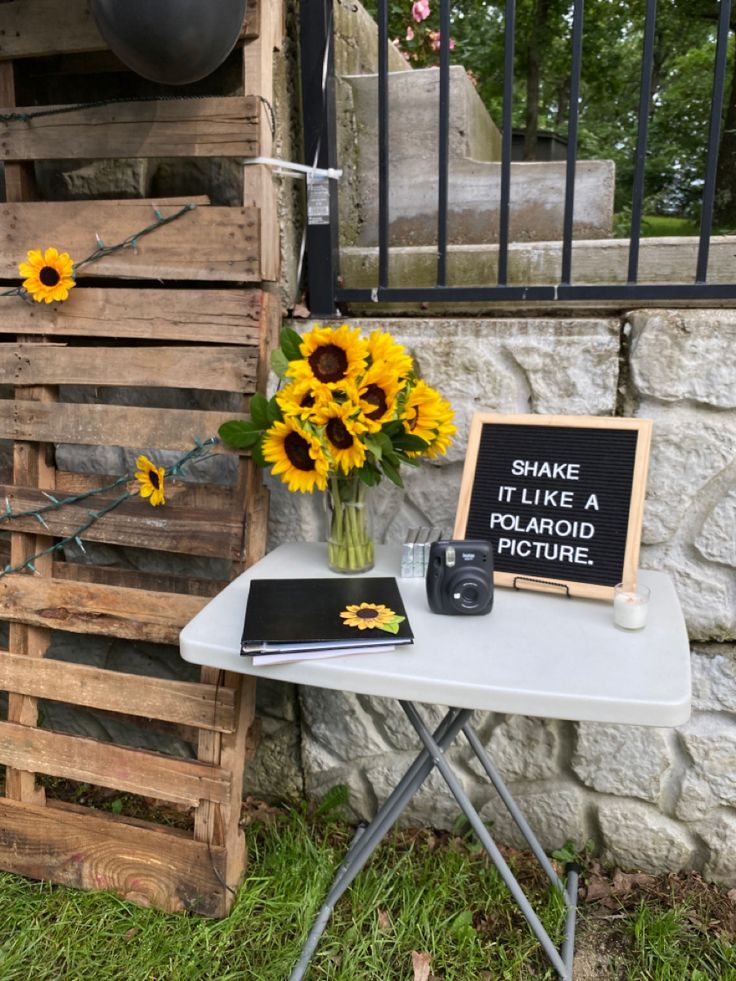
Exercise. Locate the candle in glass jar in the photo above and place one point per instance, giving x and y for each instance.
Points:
(630, 606)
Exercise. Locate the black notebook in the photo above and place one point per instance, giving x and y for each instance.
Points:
(292, 615)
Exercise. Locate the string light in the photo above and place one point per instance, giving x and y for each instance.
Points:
(102, 250)
(54, 504)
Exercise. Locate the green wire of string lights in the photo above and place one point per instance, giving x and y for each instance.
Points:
(102, 250)
(56, 505)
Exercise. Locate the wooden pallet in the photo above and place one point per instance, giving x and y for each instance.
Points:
(158, 331)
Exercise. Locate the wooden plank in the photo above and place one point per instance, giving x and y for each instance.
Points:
(94, 851)
(225, 126)
(259, 188)
(204, 315)
(135, 524)
(31, 464)
(189, 703)
(180, 493)
(111, 425)
(133, 579)
(209, 243)
(85, 608)
(207, 368)
(32, 28)
(136, 771)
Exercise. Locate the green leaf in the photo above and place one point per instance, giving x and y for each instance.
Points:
(256, 455)
(384, 442)
(239, 434)
(392, 473)
(273, 410)
(392, 626)
(374, 447)
(392, 428)
(407, 441)
(369, 475)
(259, 411)
(290, 343)
(279, 363)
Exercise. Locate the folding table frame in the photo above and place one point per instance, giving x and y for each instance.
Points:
(367, 839)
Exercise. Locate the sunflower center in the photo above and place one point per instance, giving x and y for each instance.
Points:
(154, 478)
(307, 402)
(329, 363)
(338, 434)
(367, 614)
(49, 276)
(375, 395)
(297, 450)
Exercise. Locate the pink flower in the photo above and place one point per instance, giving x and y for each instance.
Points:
(410, 33)
(435, 40)
(420, 10)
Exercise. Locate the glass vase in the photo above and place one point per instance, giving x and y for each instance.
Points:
(350, 546)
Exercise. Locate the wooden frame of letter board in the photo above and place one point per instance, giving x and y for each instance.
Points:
(643, 428)
(186, 311)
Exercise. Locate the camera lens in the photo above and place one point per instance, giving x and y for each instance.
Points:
(467, 593)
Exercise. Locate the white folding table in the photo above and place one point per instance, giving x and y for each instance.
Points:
(534, 654)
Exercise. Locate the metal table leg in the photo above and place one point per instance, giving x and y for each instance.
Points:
(562, 964)
(363, 846)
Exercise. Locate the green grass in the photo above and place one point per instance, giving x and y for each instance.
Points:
(425, 892)
(656, 226)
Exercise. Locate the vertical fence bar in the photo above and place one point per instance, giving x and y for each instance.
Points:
(572, 140)
(444, 142)
(506, 141)
(714, 134)
(383, 134)
(645, 97)
(320, 150)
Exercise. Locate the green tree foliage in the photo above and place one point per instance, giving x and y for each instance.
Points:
(610, 85)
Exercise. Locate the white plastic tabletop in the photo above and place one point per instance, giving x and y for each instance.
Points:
(534, 654)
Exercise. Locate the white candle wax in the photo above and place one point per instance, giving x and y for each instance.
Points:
(630, 610)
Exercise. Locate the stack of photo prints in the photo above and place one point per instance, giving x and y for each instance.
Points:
(299, 619)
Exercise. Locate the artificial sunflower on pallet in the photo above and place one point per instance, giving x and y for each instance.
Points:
(351, 410)
(49, 275)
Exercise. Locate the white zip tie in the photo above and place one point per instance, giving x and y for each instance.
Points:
(331, 172)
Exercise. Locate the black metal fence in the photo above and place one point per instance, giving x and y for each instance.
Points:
(326, 290)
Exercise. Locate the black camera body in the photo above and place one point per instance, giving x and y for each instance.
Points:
(460, 577)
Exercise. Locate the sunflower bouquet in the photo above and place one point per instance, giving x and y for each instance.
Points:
(350, 410)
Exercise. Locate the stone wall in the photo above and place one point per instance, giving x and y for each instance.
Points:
(654, 799)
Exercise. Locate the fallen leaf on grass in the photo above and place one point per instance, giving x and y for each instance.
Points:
(420, 963)
(731, 896)
(384, 921)
(625, 882)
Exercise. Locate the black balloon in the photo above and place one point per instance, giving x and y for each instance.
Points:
(170, 41)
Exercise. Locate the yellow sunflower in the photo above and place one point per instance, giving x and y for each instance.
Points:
(296, 455)
(366, 616)
(342, 429)
(377, 393)
(151, 479)
(330, 355)
(429, 416)
(301, 398)
(49, 276)
(382, 347)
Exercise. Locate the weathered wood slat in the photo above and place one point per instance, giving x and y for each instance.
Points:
(111, 425)
(85, 608)
(202, 368)
(135, 524)
(179, 493)
(32, 28)
(189, 703)
(209, 243)
(95, 851)
(133, 579)
(209, 127)
(205, 316)
(106, 765)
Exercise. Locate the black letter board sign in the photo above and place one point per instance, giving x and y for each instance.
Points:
(560, 497)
